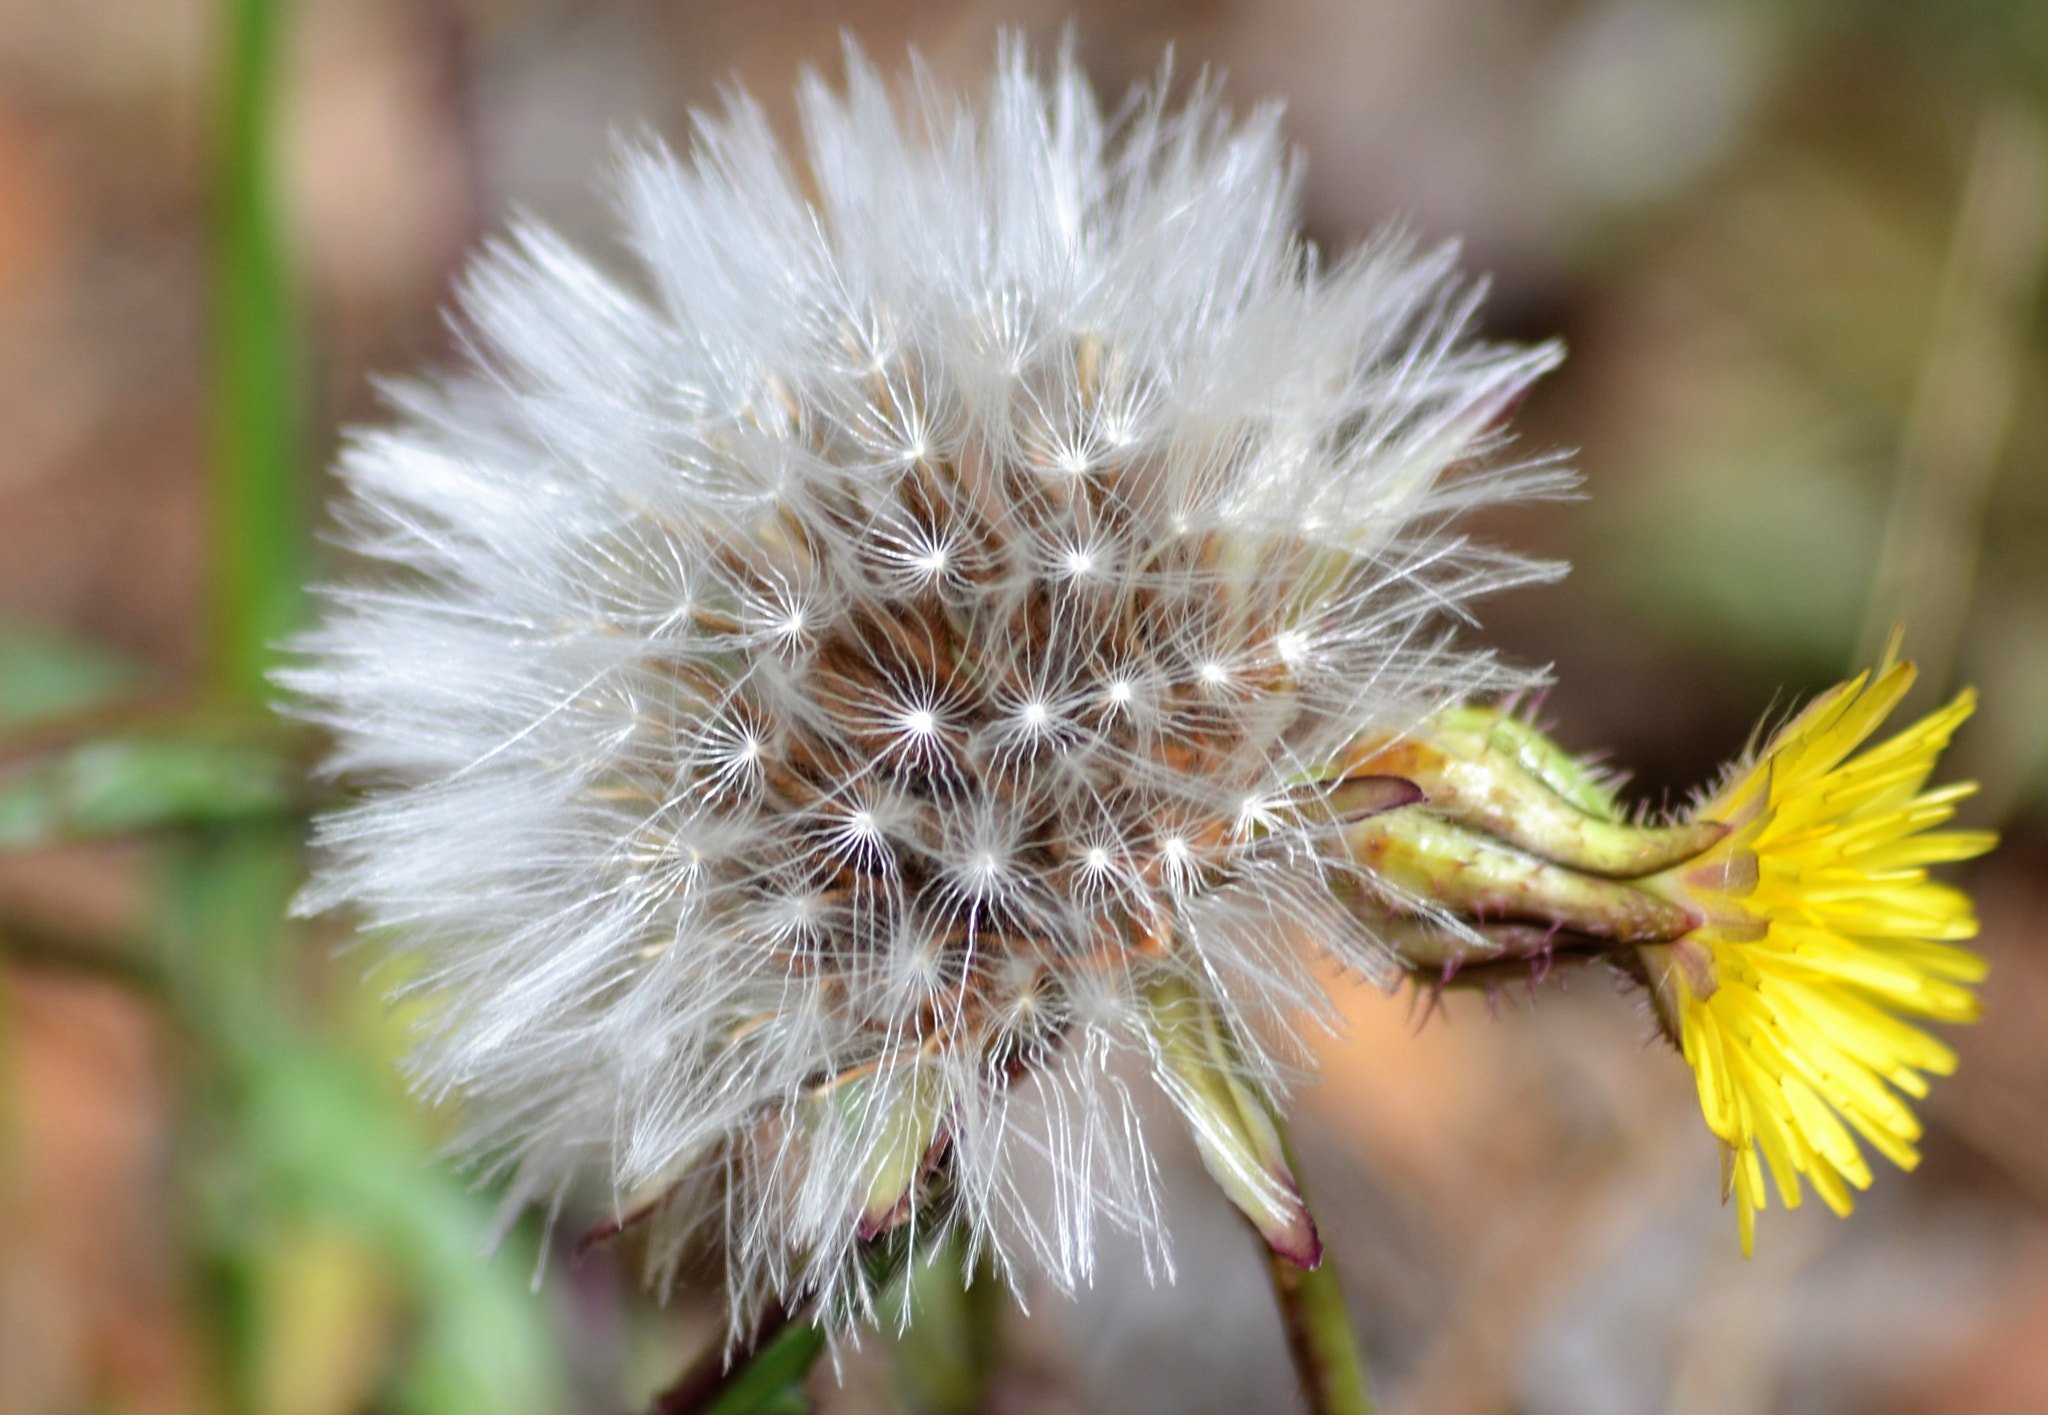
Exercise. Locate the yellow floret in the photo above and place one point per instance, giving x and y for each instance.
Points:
(1821, 933)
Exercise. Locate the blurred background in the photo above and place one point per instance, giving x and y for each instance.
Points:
(1796, 249)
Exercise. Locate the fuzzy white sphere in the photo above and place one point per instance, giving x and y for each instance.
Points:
(819, 677)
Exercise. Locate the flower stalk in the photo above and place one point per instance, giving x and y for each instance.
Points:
(1319, 1337)
(1317, 1324)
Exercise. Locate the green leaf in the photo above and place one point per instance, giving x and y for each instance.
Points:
(45, 676)
(124, 785)
(772, 1383)
(226, 939)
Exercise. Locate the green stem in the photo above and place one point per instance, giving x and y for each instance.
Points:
(125, 963)
(1320, 1336)
(778, 1358)
(255, 546)
(946, 1358)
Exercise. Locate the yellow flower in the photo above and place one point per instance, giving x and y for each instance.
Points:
(1821, 933)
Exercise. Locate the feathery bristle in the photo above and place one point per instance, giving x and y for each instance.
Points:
(811, 690)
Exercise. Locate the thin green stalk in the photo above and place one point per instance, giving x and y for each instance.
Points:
(766, 1379)
(1317, 1323)
(225, 896)
(256, 560)
(1319, 1337)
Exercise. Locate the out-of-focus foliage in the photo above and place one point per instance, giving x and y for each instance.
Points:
(45, 676)
(115, 785)
(339, 1266)
(335, 1241)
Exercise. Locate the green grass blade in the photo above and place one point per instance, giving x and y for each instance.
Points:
(772, 1380)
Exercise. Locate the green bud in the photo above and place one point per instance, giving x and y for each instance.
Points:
(1577, 781)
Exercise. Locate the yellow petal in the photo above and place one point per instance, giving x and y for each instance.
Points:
(1827, 935)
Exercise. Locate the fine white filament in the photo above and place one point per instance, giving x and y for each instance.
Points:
(811, 681)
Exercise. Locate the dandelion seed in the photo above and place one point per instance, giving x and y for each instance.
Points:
(960, 779)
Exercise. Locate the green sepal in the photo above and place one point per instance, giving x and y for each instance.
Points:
(1231, 1122)
(1579, 782)
(1469, 872)
(1496, 774)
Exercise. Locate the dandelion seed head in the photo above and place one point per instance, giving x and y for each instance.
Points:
(824, 667)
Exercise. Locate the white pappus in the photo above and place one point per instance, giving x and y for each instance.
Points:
(818, 681)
